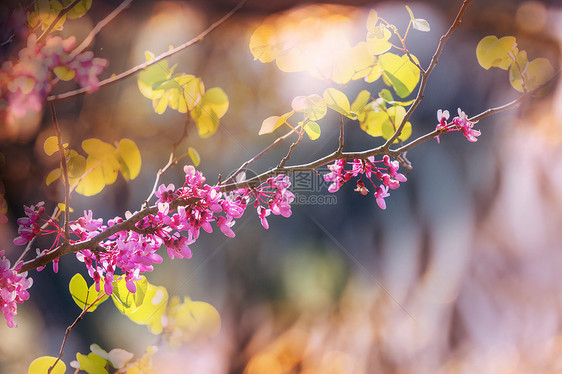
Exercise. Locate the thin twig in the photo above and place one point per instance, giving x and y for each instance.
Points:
(101, 24)
(69, 329)
(290, 152)
(341, 139)
(250, 161)
(137, 68)
(61, 14)
(64, 173)
(425, 74)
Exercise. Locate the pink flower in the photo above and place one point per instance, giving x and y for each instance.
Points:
(13, 289)
(466, 126)
(380, 194)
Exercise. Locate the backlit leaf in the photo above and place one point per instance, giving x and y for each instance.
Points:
(217, 100)
(400, 72)
(313, 105)
(361, 101)
(273, 122)
(53, 176)
(64, 73)
(194, 155)
(93, 180)
(151, 310)
(372, 20)
(129, 158)
(494, 52)
(41, 365)
(377, 42)
(51, 145)
(92, 363)
(336, 100)
(421, 24)
(84, 295)
(75, 165)
(193, 320)
(261, 44)
(79, 9)
(312, 130)
(373, 122)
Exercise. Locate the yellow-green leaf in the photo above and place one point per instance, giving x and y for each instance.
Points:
(152, 309)
(314, 106)
(535, 73)
(206, 120)
(373, 122)
(193, 320)
(106, 154)
(372, 20)
(271, 123)
(93, 180)
(406, 131)
(194, 155)
(152, 76)
(377, 41)
(129, 158)
(261, 44)
(92, 363)
(126, 301)
(360, 102)
(41, 365)
(494, 52)
(83, 295)
(64, 73)
(75, 165)
(51, 145)
(312, 130)
(79, 9)
(400, 72)
(217, 100)
(53, 176)
(62, 207)
(362, 61)
(336, 100)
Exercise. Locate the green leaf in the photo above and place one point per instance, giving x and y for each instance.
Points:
(273, 122)
(41, 365)
(129, 158)
(194, 155)
(518, 71)
(312, 130)
(410, 12)
(386, 95)
(216, 99)
(400, 72)
(494, 52)
(192, 321)
(336, 100)
(84, 296)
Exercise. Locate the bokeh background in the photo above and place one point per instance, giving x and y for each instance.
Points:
(461, 273)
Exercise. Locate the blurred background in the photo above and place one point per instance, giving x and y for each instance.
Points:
(460, 274)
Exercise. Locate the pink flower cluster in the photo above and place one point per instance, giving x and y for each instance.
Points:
(387, 173)
(459, 123)
(181, 214)
(13, 289)
(25, 84)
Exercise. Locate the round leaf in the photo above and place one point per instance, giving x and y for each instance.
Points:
(53, 176)
(400, 72)
(217, 100)
(261, 44)
(312, 130)
(194, 155)
(336, 100)
(76, 164)
(494, 52)
(51, 145)
(129, 158)
(42, 365)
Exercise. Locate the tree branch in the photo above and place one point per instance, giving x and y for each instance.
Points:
(137, 68)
